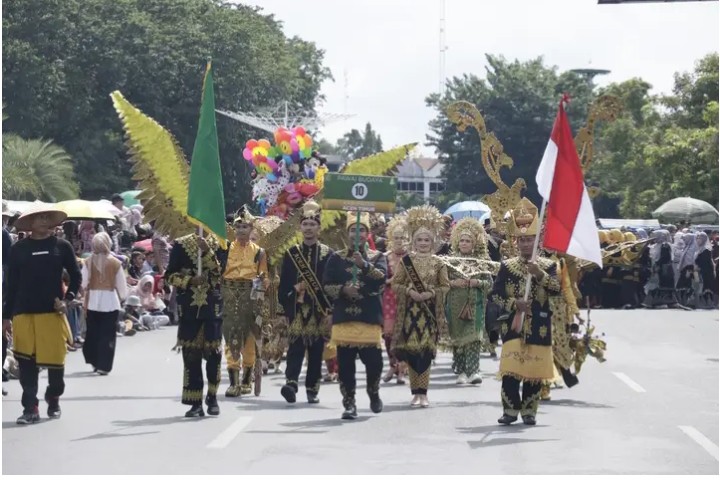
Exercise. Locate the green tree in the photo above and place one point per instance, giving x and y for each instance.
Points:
(661, 147)
(36, 170)
(519, 102)
(358, 145)
(62, 58)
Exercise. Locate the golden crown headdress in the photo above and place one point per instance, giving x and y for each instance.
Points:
(311, 211)
(352, 220)
(524, 219)
(425, 219)
(472, 228)
(243, 215)
(397, 223)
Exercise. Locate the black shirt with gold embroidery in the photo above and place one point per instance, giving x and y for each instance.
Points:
(371, 282)
(303, 314)
(202, 301)
(510, 284)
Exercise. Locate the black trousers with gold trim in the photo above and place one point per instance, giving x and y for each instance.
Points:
(510, 394)
(193, 384)
(200, 338)
(295, 357)
(419, 364)
(371, 357)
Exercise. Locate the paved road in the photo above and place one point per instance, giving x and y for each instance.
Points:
(652, 408)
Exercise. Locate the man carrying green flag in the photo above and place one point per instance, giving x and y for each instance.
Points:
(195, 269)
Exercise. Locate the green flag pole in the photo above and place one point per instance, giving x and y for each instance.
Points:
(357, 243)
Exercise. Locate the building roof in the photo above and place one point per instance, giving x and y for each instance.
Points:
(418, 167)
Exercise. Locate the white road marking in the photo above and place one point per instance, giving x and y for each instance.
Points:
(629, 382)
(229, 434)
(701, 440)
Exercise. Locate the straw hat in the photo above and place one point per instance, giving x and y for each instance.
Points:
(24, 223)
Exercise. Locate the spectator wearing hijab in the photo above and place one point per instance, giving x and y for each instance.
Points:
(105, 287)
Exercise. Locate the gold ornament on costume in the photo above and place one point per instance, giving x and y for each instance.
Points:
(351, 220)
(243, 215)
(397, 224)
(524, 219)
(311, 211)
(425, 219)
(607, 108)
(465, 114)
(472, 228)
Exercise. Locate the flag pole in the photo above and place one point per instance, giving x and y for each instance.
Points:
(199, 257)
(536, 245)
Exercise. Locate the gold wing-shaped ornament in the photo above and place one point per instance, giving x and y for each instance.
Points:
(492, 154)
(159, 167)
(606, 108)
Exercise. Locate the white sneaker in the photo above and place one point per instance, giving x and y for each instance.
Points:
(462, 379)
(476, 379)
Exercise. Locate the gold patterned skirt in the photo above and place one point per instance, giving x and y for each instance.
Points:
(356, 334)
(530, 363)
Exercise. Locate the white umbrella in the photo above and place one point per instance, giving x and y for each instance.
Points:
(686, 209)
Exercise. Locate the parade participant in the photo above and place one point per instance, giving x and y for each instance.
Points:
(306, 306)
(564, 312)
(527, 342)
(103, 282)
(246, 263)
(443, 248)
(420, 284)
(397, 232)
(35, 302)
(354, 281)
(467, 298)
(199, 310)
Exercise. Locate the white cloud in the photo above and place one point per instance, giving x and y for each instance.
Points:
(389, 48)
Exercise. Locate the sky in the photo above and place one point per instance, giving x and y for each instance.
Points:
(384, 54)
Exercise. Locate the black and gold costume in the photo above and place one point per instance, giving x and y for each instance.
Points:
(417, 329)
(200, 316)
(357, 323)
(305, 314)
(526, 356)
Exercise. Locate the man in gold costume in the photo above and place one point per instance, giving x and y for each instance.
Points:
(527, 328)
(246, 264)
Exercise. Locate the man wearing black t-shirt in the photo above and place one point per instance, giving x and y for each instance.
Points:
(34, 300)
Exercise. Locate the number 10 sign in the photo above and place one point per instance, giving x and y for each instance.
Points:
(359, 193)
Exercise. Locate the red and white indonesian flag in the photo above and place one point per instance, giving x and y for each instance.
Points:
(570, 221)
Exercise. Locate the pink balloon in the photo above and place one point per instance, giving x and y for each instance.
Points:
(247, 154)
(294, 145)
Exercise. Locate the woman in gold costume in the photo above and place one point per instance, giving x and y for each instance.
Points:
(397, 234)
(467, 298)
(420, 284)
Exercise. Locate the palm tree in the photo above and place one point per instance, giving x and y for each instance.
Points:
(36, 170)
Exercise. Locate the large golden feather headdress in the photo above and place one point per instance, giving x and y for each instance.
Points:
(424, 219)
(472, 228)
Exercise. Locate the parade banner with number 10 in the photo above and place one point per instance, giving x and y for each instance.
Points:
(359, 193)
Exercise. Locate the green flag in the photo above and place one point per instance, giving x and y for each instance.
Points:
(206, 202)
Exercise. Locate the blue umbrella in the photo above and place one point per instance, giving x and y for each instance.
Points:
(469, 209)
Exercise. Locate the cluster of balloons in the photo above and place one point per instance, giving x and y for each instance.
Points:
(285, 174)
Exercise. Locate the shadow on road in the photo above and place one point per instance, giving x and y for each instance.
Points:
(568, 402)
(117, 397)
(260, 404)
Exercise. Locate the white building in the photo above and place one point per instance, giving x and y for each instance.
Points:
(421, 175)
